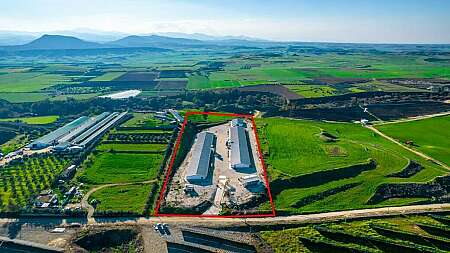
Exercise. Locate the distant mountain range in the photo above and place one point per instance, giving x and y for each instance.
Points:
(51, 42)
(8, 38)
(154, 41)
(159, 43)
(63, 42)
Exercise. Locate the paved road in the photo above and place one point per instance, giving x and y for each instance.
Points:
(85, 204)
(297, 219)
(408, 148)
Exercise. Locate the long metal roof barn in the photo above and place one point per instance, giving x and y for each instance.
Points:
(240, 155)
(198, 168)
(52, 138)
(86, 125)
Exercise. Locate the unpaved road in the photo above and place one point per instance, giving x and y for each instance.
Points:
(90, 208)
(408, 148)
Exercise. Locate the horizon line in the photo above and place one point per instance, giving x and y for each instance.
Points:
(249, 38)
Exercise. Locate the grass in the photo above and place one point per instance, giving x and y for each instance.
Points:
(107, 168)
(39, 120)
(108, 76)
(143, 120)
(294, 147)
(132, 147)
(75, 96)
(430, 136)
(286, 240)
(23, 97)
(30, 81)
(196, 82)
(14, 144)
(122, 198)
(310, 91)
(140, 131)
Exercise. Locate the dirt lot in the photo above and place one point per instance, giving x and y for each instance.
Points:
(171, 85)
(234, 194)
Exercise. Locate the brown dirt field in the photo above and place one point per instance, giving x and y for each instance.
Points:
(171, 85)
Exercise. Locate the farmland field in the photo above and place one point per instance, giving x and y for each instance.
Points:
(312, 90)
(121, 168)
(293, 148)
(122, 198)
(28, 82)
(430, 136)
(137, 77)
(22, 97)
(143, 120)
(39, 120)
(21, 182)
(108, 76)
(354, 236)
(148, 147)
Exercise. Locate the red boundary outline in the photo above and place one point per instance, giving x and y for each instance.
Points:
(164, 187)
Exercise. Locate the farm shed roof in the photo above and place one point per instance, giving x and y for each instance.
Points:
(83, 127)
(201, 155)
(240, 155)
(52, 137)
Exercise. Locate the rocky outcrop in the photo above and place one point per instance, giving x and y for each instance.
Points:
(409, 170)
(436, 189)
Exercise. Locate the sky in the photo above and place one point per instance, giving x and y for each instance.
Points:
(374, 21)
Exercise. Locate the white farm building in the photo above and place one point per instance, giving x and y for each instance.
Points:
(202, 154)
(239, 149)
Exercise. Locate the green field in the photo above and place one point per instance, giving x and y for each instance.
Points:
(122, 198)
(39, 120)
(287, 240)
(310, 91)
(140, 131)
(143, 120)
(23, 84)
(296, 147)
(109, 168)
(28, 82)
(13, 144)
(150, 147)
(23, 97)
(108, 76)
(197, 82)
(430, 136)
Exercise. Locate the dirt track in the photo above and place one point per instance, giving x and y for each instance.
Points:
(408, 148)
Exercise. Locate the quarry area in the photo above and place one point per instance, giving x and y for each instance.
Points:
(221, 174)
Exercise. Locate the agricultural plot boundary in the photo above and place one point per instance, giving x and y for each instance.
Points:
(172, 161)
